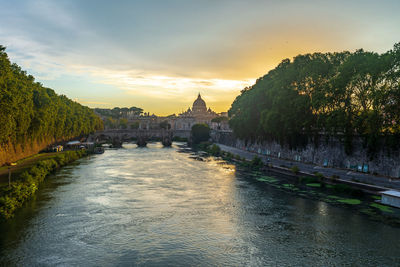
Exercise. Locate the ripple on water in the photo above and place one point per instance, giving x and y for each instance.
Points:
(154, 206)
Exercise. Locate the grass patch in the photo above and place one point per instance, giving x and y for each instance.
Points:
(350, 201)
(334, 197)
(307, 180)
(368, 211)
(377, 197)
(267, 179)
(314, 185)
(381, 207)
(291, 187)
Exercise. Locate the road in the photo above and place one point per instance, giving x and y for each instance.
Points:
(348, 175)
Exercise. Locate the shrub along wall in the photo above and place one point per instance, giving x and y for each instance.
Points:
(27, 182)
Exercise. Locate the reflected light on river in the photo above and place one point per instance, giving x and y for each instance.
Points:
(155, 206)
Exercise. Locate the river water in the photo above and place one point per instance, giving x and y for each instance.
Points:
(156, 207)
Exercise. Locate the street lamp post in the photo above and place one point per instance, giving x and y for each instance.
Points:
(9, 164)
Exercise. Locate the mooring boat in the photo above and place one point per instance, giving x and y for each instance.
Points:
(391, 198)
(98, 150)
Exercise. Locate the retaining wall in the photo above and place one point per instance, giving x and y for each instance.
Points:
(328, 153)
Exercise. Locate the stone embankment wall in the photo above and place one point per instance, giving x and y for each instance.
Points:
(329, 153)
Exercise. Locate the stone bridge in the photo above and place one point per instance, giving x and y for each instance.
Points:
(116, 136)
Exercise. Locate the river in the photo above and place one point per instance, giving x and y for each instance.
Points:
(156, 207)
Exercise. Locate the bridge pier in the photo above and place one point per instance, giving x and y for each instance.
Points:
(141, 141)
(166, 141)
(116, 143)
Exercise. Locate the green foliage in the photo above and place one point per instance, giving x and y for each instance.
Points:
(200, 133)
(335, 177)
(350, 201)
(267, 179)
(111, 123)
(134, 125)
(314, 185)
(339, 94)
(117, 112)
(228, 155)
(319, 176)
(382, 207)
(123, 123)
(342, 188)
(308, 180)
(256, 162)
(31, 112)
(219, 120)
(214, 150)
(28, 181)
(295, 169)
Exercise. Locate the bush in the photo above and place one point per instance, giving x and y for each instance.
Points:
(307, 180)
(200, 133)
(319, 176)
(214, 150)
(342, 188)
(256, 162)
(295, 169)
(27, 182)
(228, 155)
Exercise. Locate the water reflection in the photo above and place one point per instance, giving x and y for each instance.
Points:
(154, 206)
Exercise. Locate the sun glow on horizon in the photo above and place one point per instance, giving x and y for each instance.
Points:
(159, 56)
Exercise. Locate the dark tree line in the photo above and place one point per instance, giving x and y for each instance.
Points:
(117, 113)
(334, 94)
(30, 112)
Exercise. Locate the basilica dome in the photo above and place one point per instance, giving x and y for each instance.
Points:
(199, 105)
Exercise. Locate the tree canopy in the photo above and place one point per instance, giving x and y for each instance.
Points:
(200, 133)
(31, 112)
(118, 112)
(343, 94)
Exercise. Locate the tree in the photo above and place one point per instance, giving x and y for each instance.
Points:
(123, 123)
(219, 119)
(110, 123)
(31, 113)
(200, 133)
(344, 94)
(134, 125)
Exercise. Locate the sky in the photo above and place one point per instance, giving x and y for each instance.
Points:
(158, 55)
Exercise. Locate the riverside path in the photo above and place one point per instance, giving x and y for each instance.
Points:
(344, 174)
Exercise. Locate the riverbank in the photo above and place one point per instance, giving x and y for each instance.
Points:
(27, 176)
(361, 198)
(155, 206)
(341, 174)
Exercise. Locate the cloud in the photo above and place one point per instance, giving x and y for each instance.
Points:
(171, 50)
(162, 86)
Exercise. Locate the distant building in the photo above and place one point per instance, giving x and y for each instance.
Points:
(197, 114)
